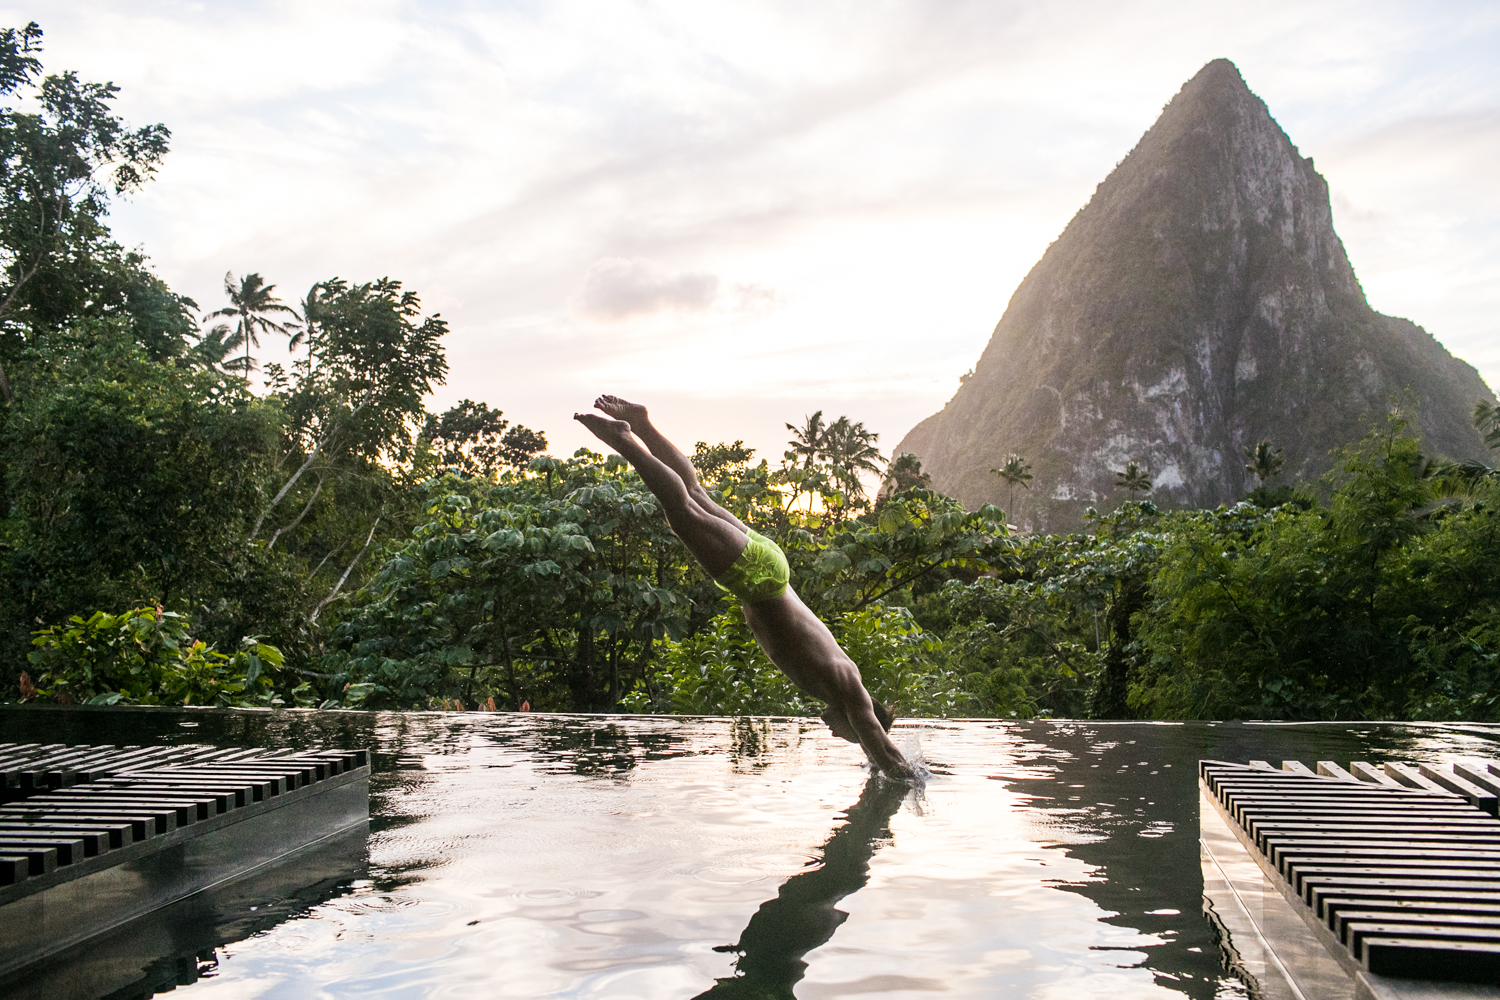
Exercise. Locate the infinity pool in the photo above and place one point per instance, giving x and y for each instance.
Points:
(664, 857)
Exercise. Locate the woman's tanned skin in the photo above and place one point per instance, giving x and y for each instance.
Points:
(793, 637)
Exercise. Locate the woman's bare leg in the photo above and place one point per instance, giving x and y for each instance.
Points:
(668, 453)
(791, 635)
(713, 541)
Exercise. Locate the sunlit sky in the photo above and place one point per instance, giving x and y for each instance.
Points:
(743, 212)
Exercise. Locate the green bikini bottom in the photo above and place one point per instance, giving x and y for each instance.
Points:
(759, 574)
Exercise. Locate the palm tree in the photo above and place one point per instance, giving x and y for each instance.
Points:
(903, 473)
(806, 444)
(1017, 472)
(1134, 479)
(1265, 461)
(1487, 422)
(213, 347)
(849, 449)
(251, 303)
(1461, 477)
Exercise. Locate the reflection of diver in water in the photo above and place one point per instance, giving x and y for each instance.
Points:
(802, 916)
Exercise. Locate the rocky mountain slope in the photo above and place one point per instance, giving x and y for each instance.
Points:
(1199, 303)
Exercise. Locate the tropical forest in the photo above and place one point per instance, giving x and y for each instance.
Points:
(184, 522)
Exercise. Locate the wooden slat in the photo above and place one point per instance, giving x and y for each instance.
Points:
(147, 822)
(61, 804)
(1462, 961)
(1412, 778)
(112, 836)
(1480, 798)
(1330, 769)
(68, 849)
(1365, 771)
(1479, 776)
(1402, 863)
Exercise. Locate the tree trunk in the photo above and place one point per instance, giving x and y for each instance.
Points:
(347, 570)
(581, 677)
(512, 687)
(1108, 700)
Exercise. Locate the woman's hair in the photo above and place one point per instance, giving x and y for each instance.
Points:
(885, 713)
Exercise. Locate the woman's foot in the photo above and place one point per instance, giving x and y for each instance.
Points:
(633, 414)
(612, 432)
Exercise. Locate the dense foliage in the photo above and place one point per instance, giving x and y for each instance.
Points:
(1381, 604)
(173, 530)
(146, 657)
(562, 588)
(139, 464)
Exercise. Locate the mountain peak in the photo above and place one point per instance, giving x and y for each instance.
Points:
(1217, 75)
(1199, 303)
(1216, 99)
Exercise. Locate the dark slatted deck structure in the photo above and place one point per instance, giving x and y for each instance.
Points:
(92, 837)
(1395, 869)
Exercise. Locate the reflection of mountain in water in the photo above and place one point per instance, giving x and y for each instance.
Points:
(803, 916)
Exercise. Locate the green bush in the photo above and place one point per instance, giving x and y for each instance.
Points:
(719, 671)
(1383, 604)
(900, 663)
(722, 671)
(145, 656)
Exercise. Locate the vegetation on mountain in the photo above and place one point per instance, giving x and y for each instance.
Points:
(1015, 472)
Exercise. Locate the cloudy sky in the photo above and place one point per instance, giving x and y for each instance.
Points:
(743, 212)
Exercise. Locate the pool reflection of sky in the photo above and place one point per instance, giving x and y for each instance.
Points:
(545, 856)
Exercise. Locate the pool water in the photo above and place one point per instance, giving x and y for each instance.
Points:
(663, 857)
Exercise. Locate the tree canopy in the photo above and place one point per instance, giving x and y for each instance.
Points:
(173, 533)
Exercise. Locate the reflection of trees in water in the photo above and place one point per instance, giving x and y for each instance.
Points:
(595, 747)
(755, 742)
(1137, 790)
(178, 944)
(585, 745)
(1145, 857)
(748, 741)
(803, 916)
(588, 748)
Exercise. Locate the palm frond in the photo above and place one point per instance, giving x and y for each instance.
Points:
(1133, 479)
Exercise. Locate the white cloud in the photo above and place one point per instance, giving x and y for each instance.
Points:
(616, 288)
(751, 211)
(619, 288)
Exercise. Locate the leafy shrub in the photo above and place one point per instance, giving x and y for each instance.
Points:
(899, 662)
(538, 589)
(722, 671)
(1381, 605)
(145, 656)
